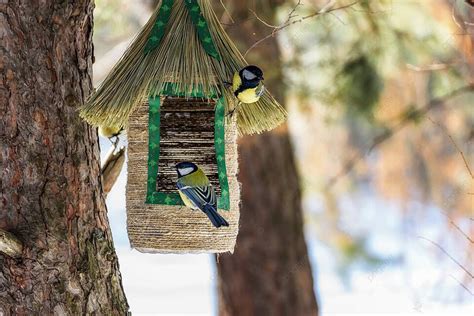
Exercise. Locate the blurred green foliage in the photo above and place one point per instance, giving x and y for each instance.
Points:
(351, 53)
(359, 86)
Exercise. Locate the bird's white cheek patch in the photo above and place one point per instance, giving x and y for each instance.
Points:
(248, 75)
(186, 171)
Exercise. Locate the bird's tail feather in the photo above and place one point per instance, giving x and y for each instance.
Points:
(215, 218)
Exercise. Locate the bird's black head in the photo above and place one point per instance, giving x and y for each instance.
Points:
(251, 74)
(185, 168)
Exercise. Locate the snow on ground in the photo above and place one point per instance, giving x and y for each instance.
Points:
(167, 284)
(185, 284)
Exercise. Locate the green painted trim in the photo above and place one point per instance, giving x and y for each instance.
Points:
(158, 29)
(199, 22)
(154, 197)
(202, 28)
(219, 144)
(172, 90)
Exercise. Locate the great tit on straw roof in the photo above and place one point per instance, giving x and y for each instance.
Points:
(247, 85)
(111, 132)
(197, 192)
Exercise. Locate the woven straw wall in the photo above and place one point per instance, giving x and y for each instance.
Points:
(175, 229)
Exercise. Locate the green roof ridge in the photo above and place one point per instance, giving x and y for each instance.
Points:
(200, 23)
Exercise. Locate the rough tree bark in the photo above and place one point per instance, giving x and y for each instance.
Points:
(50, 188)
(269, 273)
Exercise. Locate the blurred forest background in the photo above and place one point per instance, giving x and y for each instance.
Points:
(380, 96)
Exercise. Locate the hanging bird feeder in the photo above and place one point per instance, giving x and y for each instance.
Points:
(169, 91)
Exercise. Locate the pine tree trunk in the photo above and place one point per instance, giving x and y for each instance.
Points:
(51, 198)
(269, 273)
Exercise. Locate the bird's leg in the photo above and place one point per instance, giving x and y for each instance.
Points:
(231, 112)
(116, 141)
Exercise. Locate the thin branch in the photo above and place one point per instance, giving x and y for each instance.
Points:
(449, 256)
(263, 21)
(444, 129)
(463, 24)
(10, 245)
(432, 67)
(227, 11)
(326, 9)
(389, 133)
(453, 16)
(291, 15)
(462, 284)
(458, 228)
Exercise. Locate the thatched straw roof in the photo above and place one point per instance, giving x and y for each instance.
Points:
(182, 57)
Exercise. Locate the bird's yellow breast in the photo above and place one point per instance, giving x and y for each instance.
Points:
(107, 131)
(186, 201)
(248, 95)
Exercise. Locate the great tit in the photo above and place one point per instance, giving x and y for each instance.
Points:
(247, 85)
(111, 132)
(197, 192)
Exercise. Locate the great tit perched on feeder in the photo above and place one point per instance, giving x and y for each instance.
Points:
(247, 85)
(111, 132)
(197, 192)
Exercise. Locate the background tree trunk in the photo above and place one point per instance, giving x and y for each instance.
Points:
(269, 273)
(51, 197)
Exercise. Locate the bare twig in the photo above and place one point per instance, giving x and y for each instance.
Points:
(453, 16)
(458, 228)
(290, 21)
(389, 133)
(10, 245)
(227, 12)
(291, 15)
(460, 24)
(462, 284)
(444, 129)
(432, 67)
(263, 21)
(449, 256)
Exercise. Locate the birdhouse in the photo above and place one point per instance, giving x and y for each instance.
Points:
(169, 92)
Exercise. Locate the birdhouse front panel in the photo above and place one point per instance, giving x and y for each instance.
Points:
(185, 129)
(180, 129)
(187, 133)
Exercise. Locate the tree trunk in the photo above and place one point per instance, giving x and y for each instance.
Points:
(270, 272)
(51, 198)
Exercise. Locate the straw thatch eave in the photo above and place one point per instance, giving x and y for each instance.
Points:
(180, 58)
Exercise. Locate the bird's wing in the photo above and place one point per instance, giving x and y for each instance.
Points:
(199, 195)
(236, 81)
(260, 90)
